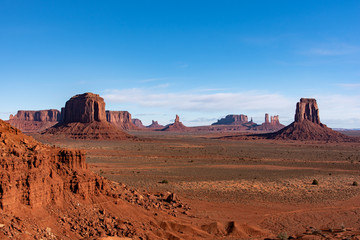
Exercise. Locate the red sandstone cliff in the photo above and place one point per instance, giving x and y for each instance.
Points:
(272, 125)
(232, 120)
(48, 193)
(137, 123)
(84, 117)
(307, 125)
(121, 119)
(34, 121)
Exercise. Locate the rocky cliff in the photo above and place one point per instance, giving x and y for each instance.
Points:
(232, 120)
(48, 193)
(35, 121)
(177, 126)
(84, 108)
(270, 126)
(121, 119)
(137, 123)
(84, 117)
(155, 125)
(307, 125)
(307, 109)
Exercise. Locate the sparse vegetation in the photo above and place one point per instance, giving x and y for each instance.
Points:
(164, 181)
(283, 236)
(355, 183)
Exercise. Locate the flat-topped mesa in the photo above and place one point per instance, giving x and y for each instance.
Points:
(307, 109)
(84, 108)
(232, 120)
(50, 115)
(121, 119)
(35, 121)
(84, 117)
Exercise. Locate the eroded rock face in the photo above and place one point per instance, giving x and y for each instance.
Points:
(267, 118)
(121, 119)
(307, 109)
(35, 121)
(51, 115)
(177, 126)
(232, 120)
(84, 108)
(155, 125)
(84, 117)
(34, 174)
(137, 122)
(275, 120)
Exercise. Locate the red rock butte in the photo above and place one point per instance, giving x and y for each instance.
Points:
(84, 108)
(307, 109)
(84, 117)
(177, 126)
(307, 126)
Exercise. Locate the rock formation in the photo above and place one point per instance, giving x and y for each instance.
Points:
(155, 125)
(307, 109)
(270, 126)
(137, 123)
(307, 125)
(121, 119)
(266, 118)
(232, 120)
(48, 193)
(84, 117)
(177, 126)
(35, 121)
(84, 108)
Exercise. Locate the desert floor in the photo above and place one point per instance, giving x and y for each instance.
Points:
(265, 184)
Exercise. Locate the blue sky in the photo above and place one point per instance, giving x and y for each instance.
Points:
(199, 59)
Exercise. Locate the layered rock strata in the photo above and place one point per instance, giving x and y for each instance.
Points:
(177, 126)
(121, 119)
(35, 121)
(84, 117)
(307, 125)
(232, 120)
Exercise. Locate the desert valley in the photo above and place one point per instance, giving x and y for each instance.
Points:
(83, 172)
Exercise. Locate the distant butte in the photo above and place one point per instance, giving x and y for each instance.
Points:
(155, 125)
(35, 121)
(121, 119)
(307, 126)
(84, 117)
(232, 120)
(177, 126)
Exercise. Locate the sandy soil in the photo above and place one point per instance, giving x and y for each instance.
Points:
(261, 185)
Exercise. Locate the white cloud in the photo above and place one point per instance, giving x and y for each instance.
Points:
(334, 49)
(199, 107)
(203, 102)
(349, 85)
